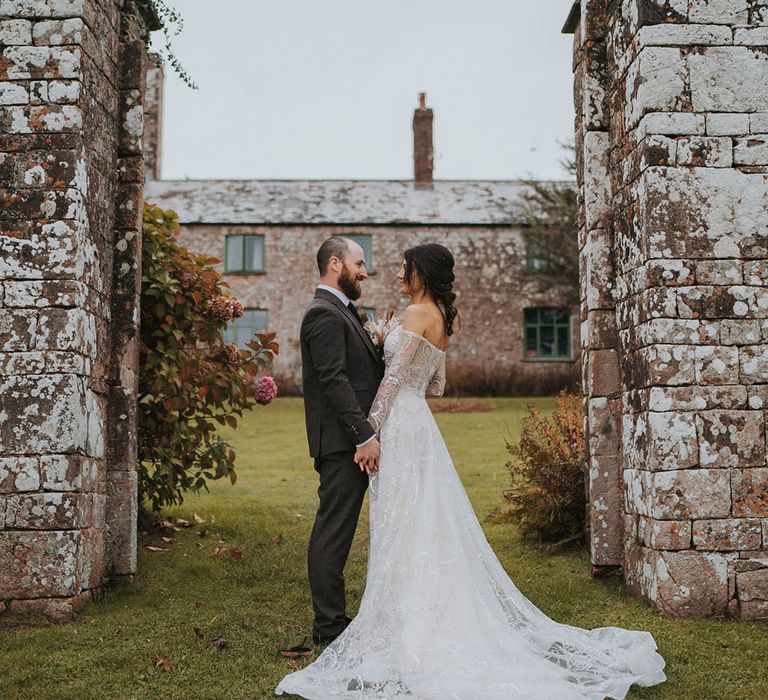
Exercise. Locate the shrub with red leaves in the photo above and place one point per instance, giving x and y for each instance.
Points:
(190, 380)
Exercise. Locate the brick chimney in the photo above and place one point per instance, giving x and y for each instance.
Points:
(422, 144)
(153, 118)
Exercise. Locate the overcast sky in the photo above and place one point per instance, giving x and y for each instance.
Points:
(326, 88)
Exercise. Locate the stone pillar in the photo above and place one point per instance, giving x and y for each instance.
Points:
(683, 139)
(153, 118)
(69, 271)
(599, 339)
(122, 416)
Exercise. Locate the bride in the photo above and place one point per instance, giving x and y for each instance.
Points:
(440, 618)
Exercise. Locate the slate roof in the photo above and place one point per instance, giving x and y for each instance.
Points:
(451, 202)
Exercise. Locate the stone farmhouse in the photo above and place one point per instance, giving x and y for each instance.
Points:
(515, 336)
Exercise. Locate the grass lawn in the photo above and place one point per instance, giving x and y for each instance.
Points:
(261, 598)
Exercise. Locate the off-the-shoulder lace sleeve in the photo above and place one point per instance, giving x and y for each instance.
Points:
(436, 385)
(404, 369)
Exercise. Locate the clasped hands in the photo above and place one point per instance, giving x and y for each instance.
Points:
(367, 456)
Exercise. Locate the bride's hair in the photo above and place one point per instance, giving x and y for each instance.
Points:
(433, 263)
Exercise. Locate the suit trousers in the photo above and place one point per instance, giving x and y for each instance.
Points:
(342, 489)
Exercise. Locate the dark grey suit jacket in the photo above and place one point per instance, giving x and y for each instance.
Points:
(341, 372)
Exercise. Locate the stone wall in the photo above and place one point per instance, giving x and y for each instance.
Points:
(491, 286)
(672, 137)
(72, 79)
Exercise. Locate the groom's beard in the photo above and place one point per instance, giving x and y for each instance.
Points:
(349, 284)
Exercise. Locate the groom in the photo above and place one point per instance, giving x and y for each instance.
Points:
(341, 371)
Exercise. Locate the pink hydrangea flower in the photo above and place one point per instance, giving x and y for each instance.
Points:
(266, 390)
(224, 308)
(232, 354)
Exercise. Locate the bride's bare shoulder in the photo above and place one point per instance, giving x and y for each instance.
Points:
(421, 319)
(416, 318)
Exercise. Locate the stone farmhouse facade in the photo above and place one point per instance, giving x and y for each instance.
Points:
(672, 150)
(515, 337)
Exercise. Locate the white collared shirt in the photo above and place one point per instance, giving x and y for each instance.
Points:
(344, 299)
(336, 292)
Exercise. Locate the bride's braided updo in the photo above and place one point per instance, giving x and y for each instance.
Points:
(433, 263)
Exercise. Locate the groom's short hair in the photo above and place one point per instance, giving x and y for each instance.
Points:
(333, 247)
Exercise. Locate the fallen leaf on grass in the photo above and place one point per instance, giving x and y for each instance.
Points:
(213, 520)
(203, 533)
(197, 518)
(219, 642)
(278, 538)
(168, 540)
(199, 545)
(152, 548)
(183, 523)
(221, 541)
(296, 652)
(165, 664)
(237, 553)
(220, 550)
(198, 603)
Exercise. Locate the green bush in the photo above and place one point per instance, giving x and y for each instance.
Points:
(547, 493)
(190, 380)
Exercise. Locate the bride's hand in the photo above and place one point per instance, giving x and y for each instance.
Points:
(359, 463)
(367, 456)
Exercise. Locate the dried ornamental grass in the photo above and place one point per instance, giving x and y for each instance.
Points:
(547, 494)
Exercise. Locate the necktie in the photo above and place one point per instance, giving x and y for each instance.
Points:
(353, 309)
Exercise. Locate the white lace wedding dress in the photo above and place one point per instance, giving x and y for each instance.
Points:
(440, 618)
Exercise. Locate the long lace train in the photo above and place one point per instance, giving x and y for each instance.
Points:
(440, 619)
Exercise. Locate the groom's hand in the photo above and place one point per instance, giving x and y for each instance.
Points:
(367, 456)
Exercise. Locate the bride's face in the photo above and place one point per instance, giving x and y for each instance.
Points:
(401, 277)
(406, 288)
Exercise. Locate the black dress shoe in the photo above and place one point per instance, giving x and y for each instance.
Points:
(321, 640)
(326, 639)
